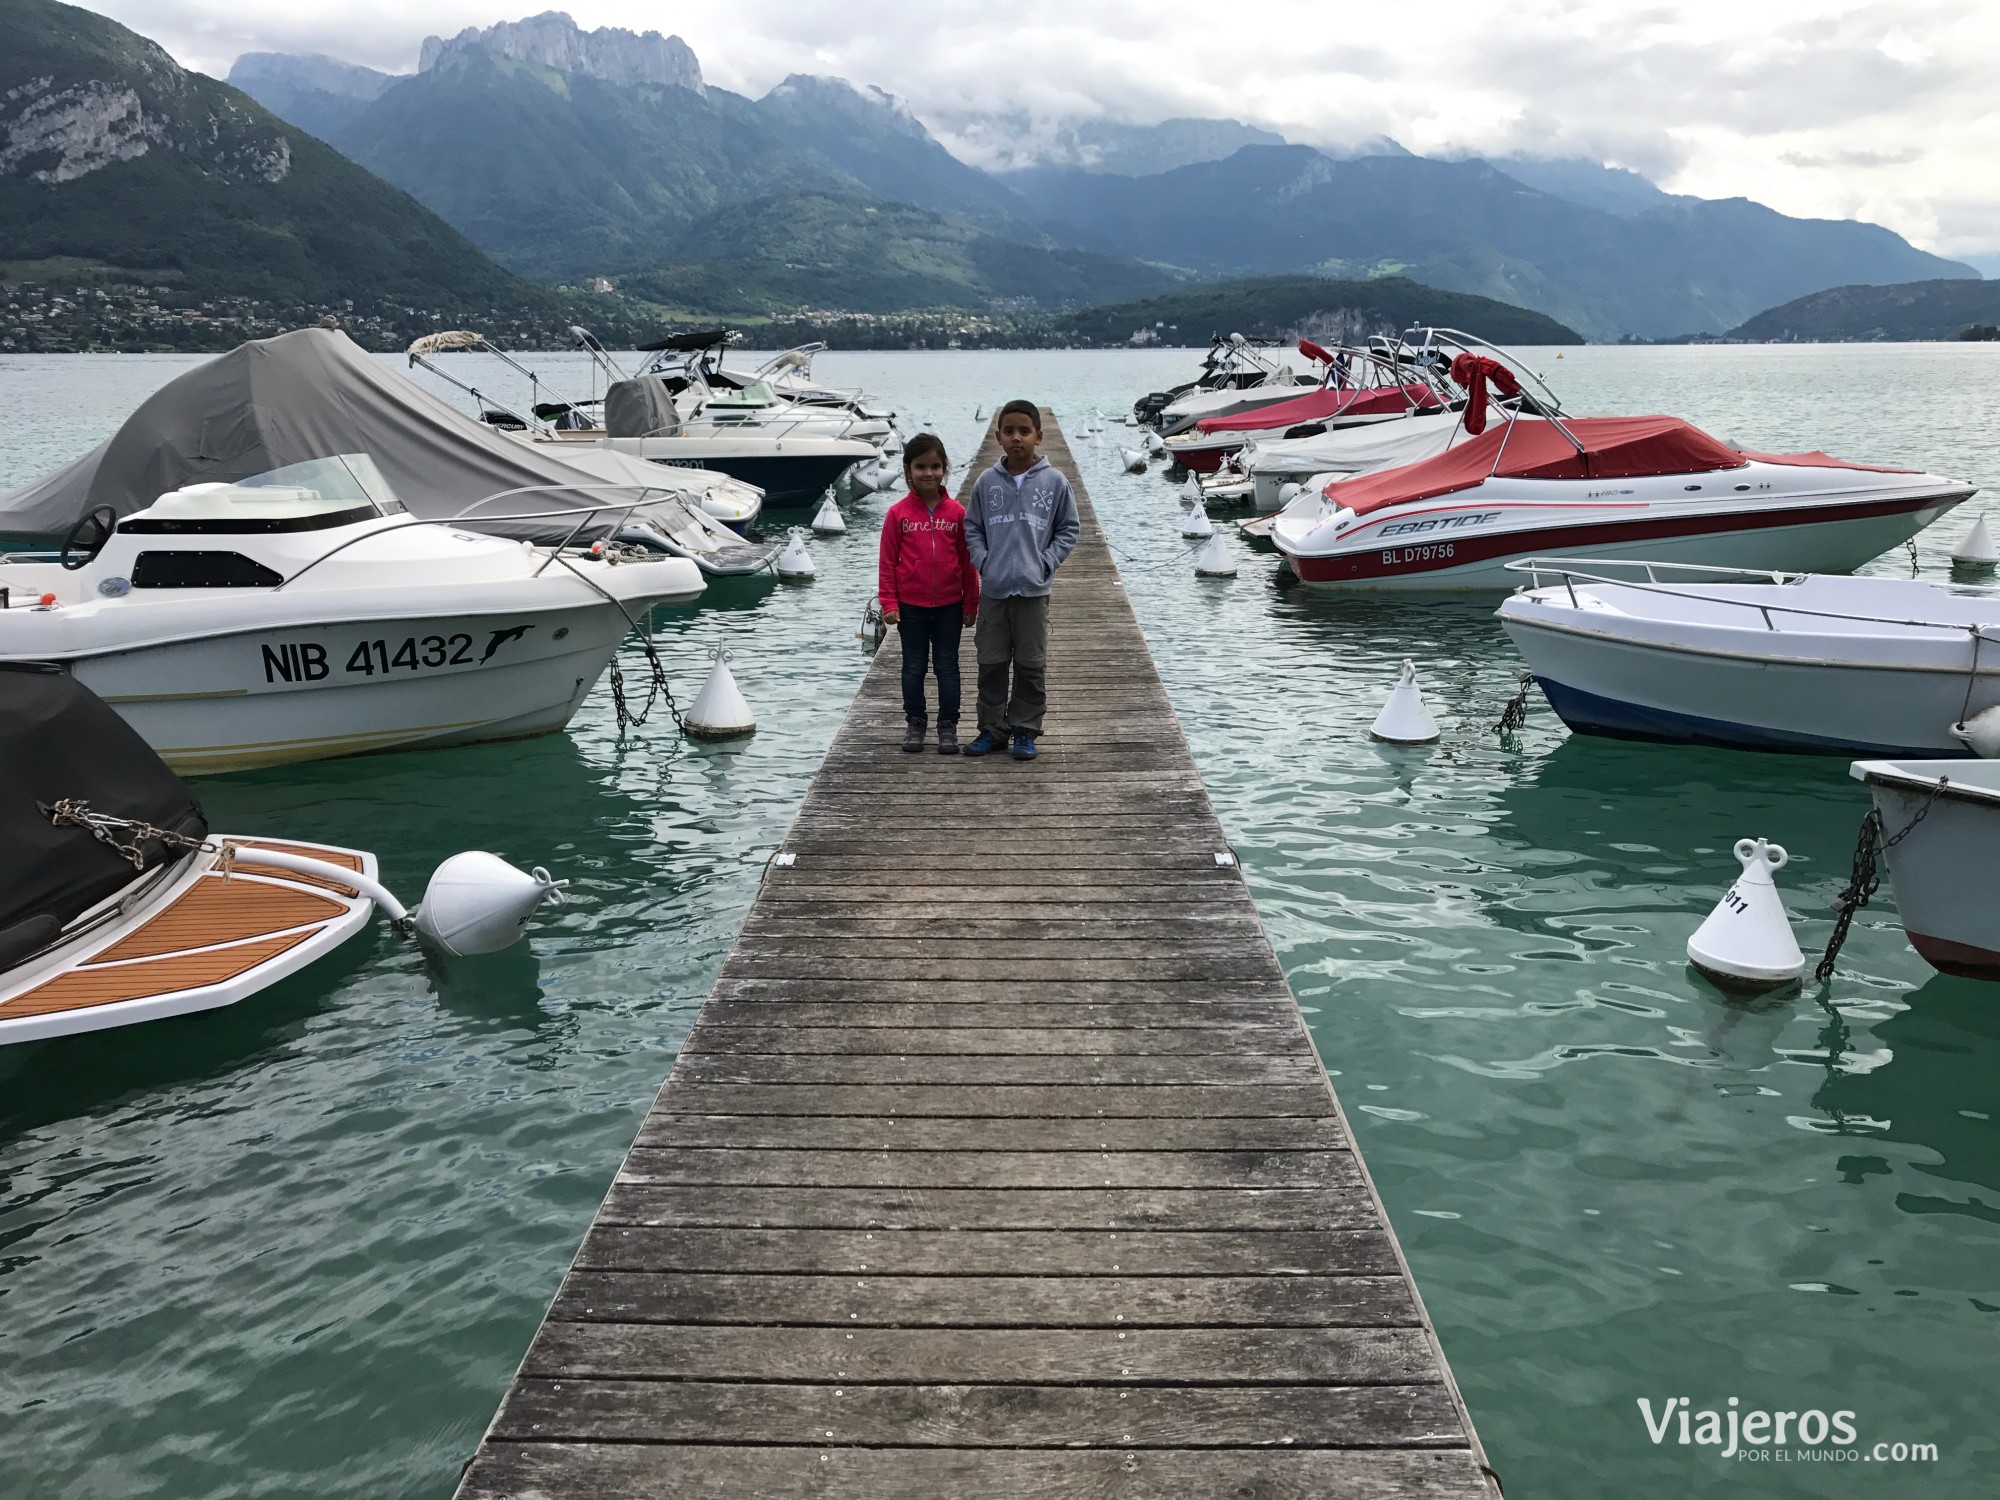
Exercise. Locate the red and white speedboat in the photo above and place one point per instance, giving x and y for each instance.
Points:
(1328, 409)
(1655, 488)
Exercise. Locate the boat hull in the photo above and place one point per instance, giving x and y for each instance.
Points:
(269, 696)
(788, 480)
(1942, 871)
(1833, 537)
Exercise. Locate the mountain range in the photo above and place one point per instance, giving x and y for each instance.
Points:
(605, 157)
(566, 154)
(1913, 310)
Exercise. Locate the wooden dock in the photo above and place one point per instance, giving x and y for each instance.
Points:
(999, 1162)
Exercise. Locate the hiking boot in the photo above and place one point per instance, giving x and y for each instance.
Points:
(913, 737)
(947, 736)
(1024, 745)
(988, 741)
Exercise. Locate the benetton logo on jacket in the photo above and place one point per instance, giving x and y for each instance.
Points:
(924, 561)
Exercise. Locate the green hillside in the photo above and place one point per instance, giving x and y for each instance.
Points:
(783, 254)
(120, 158)
(1910, 310)
(1271, 307)
(564, 175)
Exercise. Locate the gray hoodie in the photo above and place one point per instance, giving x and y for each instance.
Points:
(1019, 535)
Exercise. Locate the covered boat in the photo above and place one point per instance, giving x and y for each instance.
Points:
(115, 904)
(1878, 666)
(1648, 487)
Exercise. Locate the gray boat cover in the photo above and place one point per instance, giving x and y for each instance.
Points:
(642, 407)
(309, 394)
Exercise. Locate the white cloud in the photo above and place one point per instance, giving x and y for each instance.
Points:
(1827, 110)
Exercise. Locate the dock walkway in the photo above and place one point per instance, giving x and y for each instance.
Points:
(999, 1162)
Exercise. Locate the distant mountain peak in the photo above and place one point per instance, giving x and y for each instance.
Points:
(881, 106)
(307, 70)
(553, 40)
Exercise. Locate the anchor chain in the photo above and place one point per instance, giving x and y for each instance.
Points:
(126, 836)
(1515, 715)
(1865, 878)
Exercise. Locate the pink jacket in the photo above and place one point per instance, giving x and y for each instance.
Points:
(924, 561)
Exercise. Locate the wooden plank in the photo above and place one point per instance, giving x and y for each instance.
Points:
(982, 1208)
(893, 1133)
(999, 1252)
(1095, 1102)
(985, 1301)
(998, 1163)
(1134, 1357)
(960, 1041)
(780, 1167)
(620, 1471)
(981, 1416)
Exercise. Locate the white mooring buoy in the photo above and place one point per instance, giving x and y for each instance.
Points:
(795, 564)
(1287, 493)
(828, 521)
(1405, 719)
(478, 903)
(1133, 460)
(1976, 549)
(1195, 525)
(1981, 733)
(719, 712)
(1155, 444)
(1747, 942)
(1191, 491)
(1215, 560)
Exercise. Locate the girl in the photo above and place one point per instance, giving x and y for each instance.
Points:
(928, 588)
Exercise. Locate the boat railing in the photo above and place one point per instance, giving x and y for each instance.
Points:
(1571, 572)
(464, 517)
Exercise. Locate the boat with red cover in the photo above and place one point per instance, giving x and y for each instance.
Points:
(1654, 488)
(1327, 409)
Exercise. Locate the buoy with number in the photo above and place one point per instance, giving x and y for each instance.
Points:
(1195, 524)
(828, 521)
(795, 564)
(1976, 549)
(719, 712)
(1215, 560)
(1405, 719)
(1747, 941)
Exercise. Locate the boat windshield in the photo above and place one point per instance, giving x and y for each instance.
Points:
(346, 482)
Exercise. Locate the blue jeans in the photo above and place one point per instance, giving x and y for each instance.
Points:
(930, 639)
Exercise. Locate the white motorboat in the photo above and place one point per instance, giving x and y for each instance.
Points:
(1936, 825)
(1236, 374)
(730, 469)
(300, 614)
(1878, 666)
(790, 374)
(1654, 488)
(1358, 393)
(1312, 463)
(119, 905)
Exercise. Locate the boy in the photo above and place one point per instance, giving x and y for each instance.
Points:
(927, 588)
(1019, 527)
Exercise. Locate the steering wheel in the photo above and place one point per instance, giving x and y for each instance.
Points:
(87, 537)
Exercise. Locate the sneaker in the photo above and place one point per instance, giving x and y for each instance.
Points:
(1024, 746)
(913, 737)
(947, 736)
(989, 740)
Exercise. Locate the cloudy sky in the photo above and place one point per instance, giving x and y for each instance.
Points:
(1885, 112)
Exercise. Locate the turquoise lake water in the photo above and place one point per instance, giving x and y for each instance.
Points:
(298, 1247)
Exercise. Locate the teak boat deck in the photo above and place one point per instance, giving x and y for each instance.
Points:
(203, 946)
(999, 1162)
